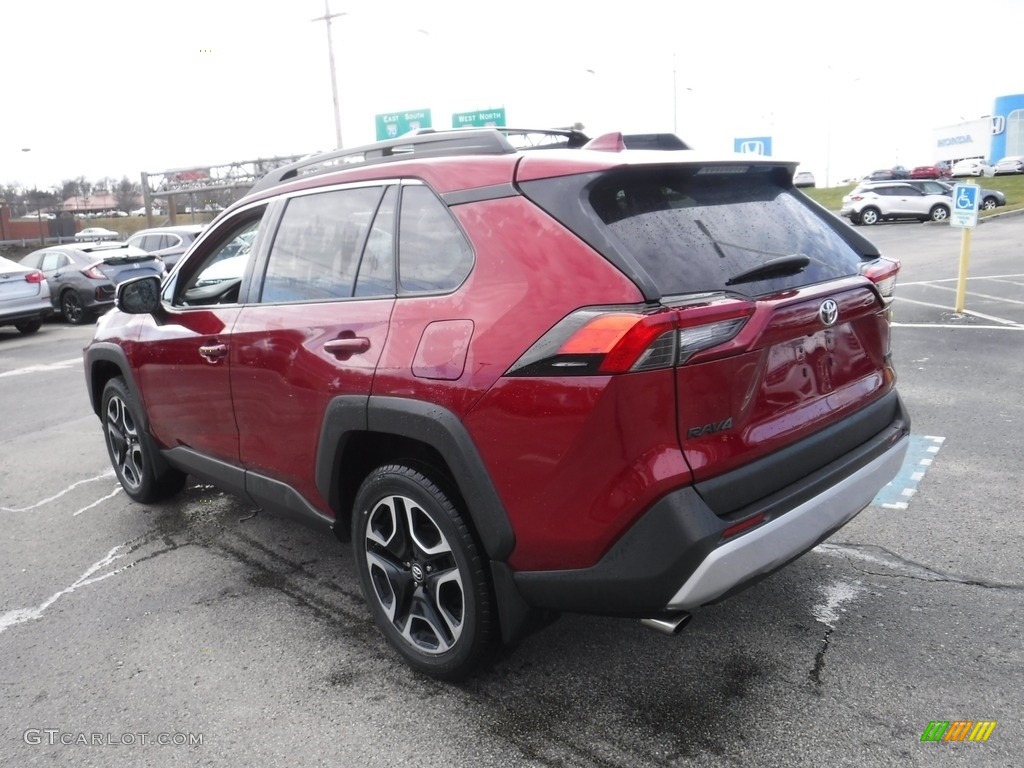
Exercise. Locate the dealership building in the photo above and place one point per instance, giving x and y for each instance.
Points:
(991, 137)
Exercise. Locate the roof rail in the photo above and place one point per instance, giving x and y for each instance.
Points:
(480, 141)
(428, 142)
(520, 138)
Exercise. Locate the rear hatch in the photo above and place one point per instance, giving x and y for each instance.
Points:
(780, 312)
(123, 262)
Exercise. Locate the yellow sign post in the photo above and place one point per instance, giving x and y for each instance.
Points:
(966, 198)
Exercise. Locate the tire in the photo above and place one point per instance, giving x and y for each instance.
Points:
(988, 204)
(422, 573)
(28, 326)
(870, 216)
(72, 309)
(939, 213)
(141, 471)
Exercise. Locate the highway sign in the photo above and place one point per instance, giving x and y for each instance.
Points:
(394, 124)
(965, 205)
(481, 118)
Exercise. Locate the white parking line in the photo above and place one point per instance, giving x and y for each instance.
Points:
(47, 500)
(21, 615)
(954, 279)
(42, 368)
(992, 318)
(980, 295)
(96, 503)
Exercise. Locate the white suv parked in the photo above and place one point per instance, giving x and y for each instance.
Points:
(888, 201)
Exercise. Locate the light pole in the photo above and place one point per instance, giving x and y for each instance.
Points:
(326, 18)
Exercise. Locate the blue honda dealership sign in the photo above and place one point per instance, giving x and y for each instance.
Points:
(753, 145)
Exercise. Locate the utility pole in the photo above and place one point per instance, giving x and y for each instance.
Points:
(326, 18)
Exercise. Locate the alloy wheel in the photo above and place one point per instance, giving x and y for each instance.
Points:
(123, 440)
(414, 575)
(71, 307)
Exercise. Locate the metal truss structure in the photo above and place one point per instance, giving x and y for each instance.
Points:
(205, 185)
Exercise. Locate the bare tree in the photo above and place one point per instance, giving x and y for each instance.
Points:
(126, 193)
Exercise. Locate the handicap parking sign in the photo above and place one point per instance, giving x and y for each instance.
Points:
(965, 205)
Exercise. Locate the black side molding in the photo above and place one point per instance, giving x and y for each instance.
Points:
(431, 425)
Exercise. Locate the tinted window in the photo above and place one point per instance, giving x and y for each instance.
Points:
(693, 232)
(315, 254)
(433, 254)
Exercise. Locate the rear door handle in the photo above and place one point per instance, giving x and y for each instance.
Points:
(344, 348)
(213, 352)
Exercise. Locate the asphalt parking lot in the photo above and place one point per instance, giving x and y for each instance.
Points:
(201, 631)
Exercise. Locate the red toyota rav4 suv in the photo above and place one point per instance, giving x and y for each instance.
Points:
(521, 381)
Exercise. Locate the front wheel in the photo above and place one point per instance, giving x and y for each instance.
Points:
(939, 213)
(988, 204)
(138, 466)
(423, 573)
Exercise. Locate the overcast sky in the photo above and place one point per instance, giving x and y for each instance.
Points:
(114, 87)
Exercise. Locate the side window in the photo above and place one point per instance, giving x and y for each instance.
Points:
(315, 254)
(377, 269)
(216, 278)
(433, 254)
(52, 261)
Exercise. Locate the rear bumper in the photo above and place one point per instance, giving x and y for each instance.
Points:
(770, 546)
(675, 558)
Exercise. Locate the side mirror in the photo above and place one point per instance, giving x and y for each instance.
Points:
(139, 296)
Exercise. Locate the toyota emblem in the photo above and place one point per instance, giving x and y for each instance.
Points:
(828, 312)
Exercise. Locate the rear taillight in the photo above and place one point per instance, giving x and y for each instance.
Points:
(883, 274)
(34, 277)
(613, 340)
(94, 273)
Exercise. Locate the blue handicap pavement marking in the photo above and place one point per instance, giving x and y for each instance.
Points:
(896, 495)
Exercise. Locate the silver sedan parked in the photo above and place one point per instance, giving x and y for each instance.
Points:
(1009, 164)
(24, 296)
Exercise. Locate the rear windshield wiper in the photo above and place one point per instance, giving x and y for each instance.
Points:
(783, 265)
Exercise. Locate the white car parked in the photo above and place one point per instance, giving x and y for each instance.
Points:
(871, 203)
(975, 166)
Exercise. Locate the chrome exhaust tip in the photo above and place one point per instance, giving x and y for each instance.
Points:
(669, 625)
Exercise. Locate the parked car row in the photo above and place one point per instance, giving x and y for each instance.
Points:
(78, 281)
(974, 166)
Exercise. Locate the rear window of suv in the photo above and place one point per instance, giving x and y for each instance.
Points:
(694, 231)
